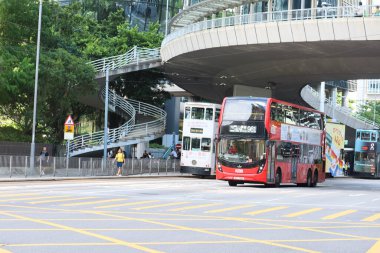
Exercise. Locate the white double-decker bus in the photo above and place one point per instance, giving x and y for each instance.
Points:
(200, 125)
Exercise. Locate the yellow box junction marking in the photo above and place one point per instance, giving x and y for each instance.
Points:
(229, 209)
(84, 232)
(33, 198)
(127, 204)
(203, 231)
(375, 248)
(162, 205)
(372, 218)
(193, 207)
(60, 200)
(307, 211)
(18, 195)
(93, 202)
(340, 214)
(267, 210)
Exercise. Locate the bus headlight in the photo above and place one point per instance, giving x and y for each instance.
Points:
(260, 169)
(220, 167)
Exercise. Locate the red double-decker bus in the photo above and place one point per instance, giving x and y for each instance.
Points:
(265, 140)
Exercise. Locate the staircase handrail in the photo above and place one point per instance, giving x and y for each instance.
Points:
(129, 129)
(342, 109)
(135, 55)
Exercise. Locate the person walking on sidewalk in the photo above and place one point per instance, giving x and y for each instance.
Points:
(119, 159)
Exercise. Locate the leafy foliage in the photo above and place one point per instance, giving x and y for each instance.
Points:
(370, 110)
(70, 37)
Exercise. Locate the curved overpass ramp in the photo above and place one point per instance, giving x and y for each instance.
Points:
(280, 52)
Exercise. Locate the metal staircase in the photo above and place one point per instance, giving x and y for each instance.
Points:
(343, 114)
(144, 122)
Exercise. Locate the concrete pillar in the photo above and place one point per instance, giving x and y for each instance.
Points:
(322, 97)
(345, 98)
(224, 14)
(270, 9)
(252, 8)
(140, 148)
(334, 95)
(213, 17)
(290, 8)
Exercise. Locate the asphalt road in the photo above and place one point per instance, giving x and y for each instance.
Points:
(188, 215)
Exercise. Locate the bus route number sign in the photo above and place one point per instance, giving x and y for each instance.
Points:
(242, 129)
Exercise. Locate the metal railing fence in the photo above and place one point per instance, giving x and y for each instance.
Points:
(136, 55)
(129, 130)
(60, 167)
(275, 16)
(345, 110)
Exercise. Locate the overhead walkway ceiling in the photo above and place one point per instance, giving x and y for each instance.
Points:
(281, 56)
(203, 8)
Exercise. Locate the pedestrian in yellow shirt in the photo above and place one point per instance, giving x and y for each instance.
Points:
(119, 159)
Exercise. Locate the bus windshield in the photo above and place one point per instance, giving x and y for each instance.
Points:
(244, 110)
(241, 150)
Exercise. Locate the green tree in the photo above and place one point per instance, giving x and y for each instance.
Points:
(63, 75)
(370, 110)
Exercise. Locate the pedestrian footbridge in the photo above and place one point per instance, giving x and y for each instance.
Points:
(143, 122)
(278, 52)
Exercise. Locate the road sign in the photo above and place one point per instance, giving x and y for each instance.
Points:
(69, 121)
(69, 128)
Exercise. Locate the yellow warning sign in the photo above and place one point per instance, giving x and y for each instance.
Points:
(69, 128)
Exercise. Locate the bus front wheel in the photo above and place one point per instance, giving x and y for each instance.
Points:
(232, 183)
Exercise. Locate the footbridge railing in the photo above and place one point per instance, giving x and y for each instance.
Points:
(275, 16)
(343, 114)
(136, 55)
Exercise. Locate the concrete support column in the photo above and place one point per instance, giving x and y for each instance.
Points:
(322, 97)
(313, 8)
(270, 9)
(224, 14)
(237, 14)
(339, 4)
(334, 95)
(251, 12)
(290, 8)
(186, 4)
(345, 98)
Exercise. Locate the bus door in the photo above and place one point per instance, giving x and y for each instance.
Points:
(293, 161)
(271, 160)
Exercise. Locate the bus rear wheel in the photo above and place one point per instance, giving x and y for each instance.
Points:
(232, 183)
(277, 180)
(315, 179)
(309, 179)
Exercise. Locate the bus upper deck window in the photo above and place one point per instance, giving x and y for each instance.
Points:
(209, 114)
(197, 113)
(217, 114)
(187, 113)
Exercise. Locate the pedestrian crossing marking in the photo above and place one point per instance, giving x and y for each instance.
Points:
(127, 204)
(229, 209)
(307, 211)
(193, 207)
(60, 200)
(162, 205)
(93, 202)
(267, 210)
(372, 218)
(340, 214)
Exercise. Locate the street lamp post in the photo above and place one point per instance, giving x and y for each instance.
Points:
(105, 138)
(167, 17)
(33, 145)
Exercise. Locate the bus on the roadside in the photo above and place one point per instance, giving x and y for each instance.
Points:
(268, 141)
(367, 157)
(200, 124)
